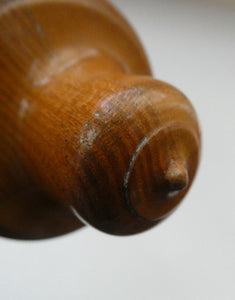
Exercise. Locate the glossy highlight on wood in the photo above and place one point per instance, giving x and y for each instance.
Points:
(87, 135)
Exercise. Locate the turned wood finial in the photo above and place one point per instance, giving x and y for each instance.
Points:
(87, 136)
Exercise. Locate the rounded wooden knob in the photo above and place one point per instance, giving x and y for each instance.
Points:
(88, 137)
(138, 155)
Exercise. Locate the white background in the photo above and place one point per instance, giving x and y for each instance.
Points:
(191, 44)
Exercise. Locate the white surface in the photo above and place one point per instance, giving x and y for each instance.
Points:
(191, 44)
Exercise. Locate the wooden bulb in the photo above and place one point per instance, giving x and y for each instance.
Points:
(87, 136)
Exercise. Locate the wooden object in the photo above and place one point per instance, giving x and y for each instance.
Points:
(86, 135)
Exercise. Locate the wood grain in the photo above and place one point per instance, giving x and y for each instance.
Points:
(85, 131)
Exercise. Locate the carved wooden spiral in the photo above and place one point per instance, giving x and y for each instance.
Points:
(86, 135)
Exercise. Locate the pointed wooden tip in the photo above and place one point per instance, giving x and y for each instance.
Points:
(176, 176)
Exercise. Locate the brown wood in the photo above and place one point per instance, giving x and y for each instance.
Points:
(85, 131)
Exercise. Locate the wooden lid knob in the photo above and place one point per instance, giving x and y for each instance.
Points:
(87, 136)
(141, 149)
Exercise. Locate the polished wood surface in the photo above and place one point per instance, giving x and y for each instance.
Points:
(87, 136)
